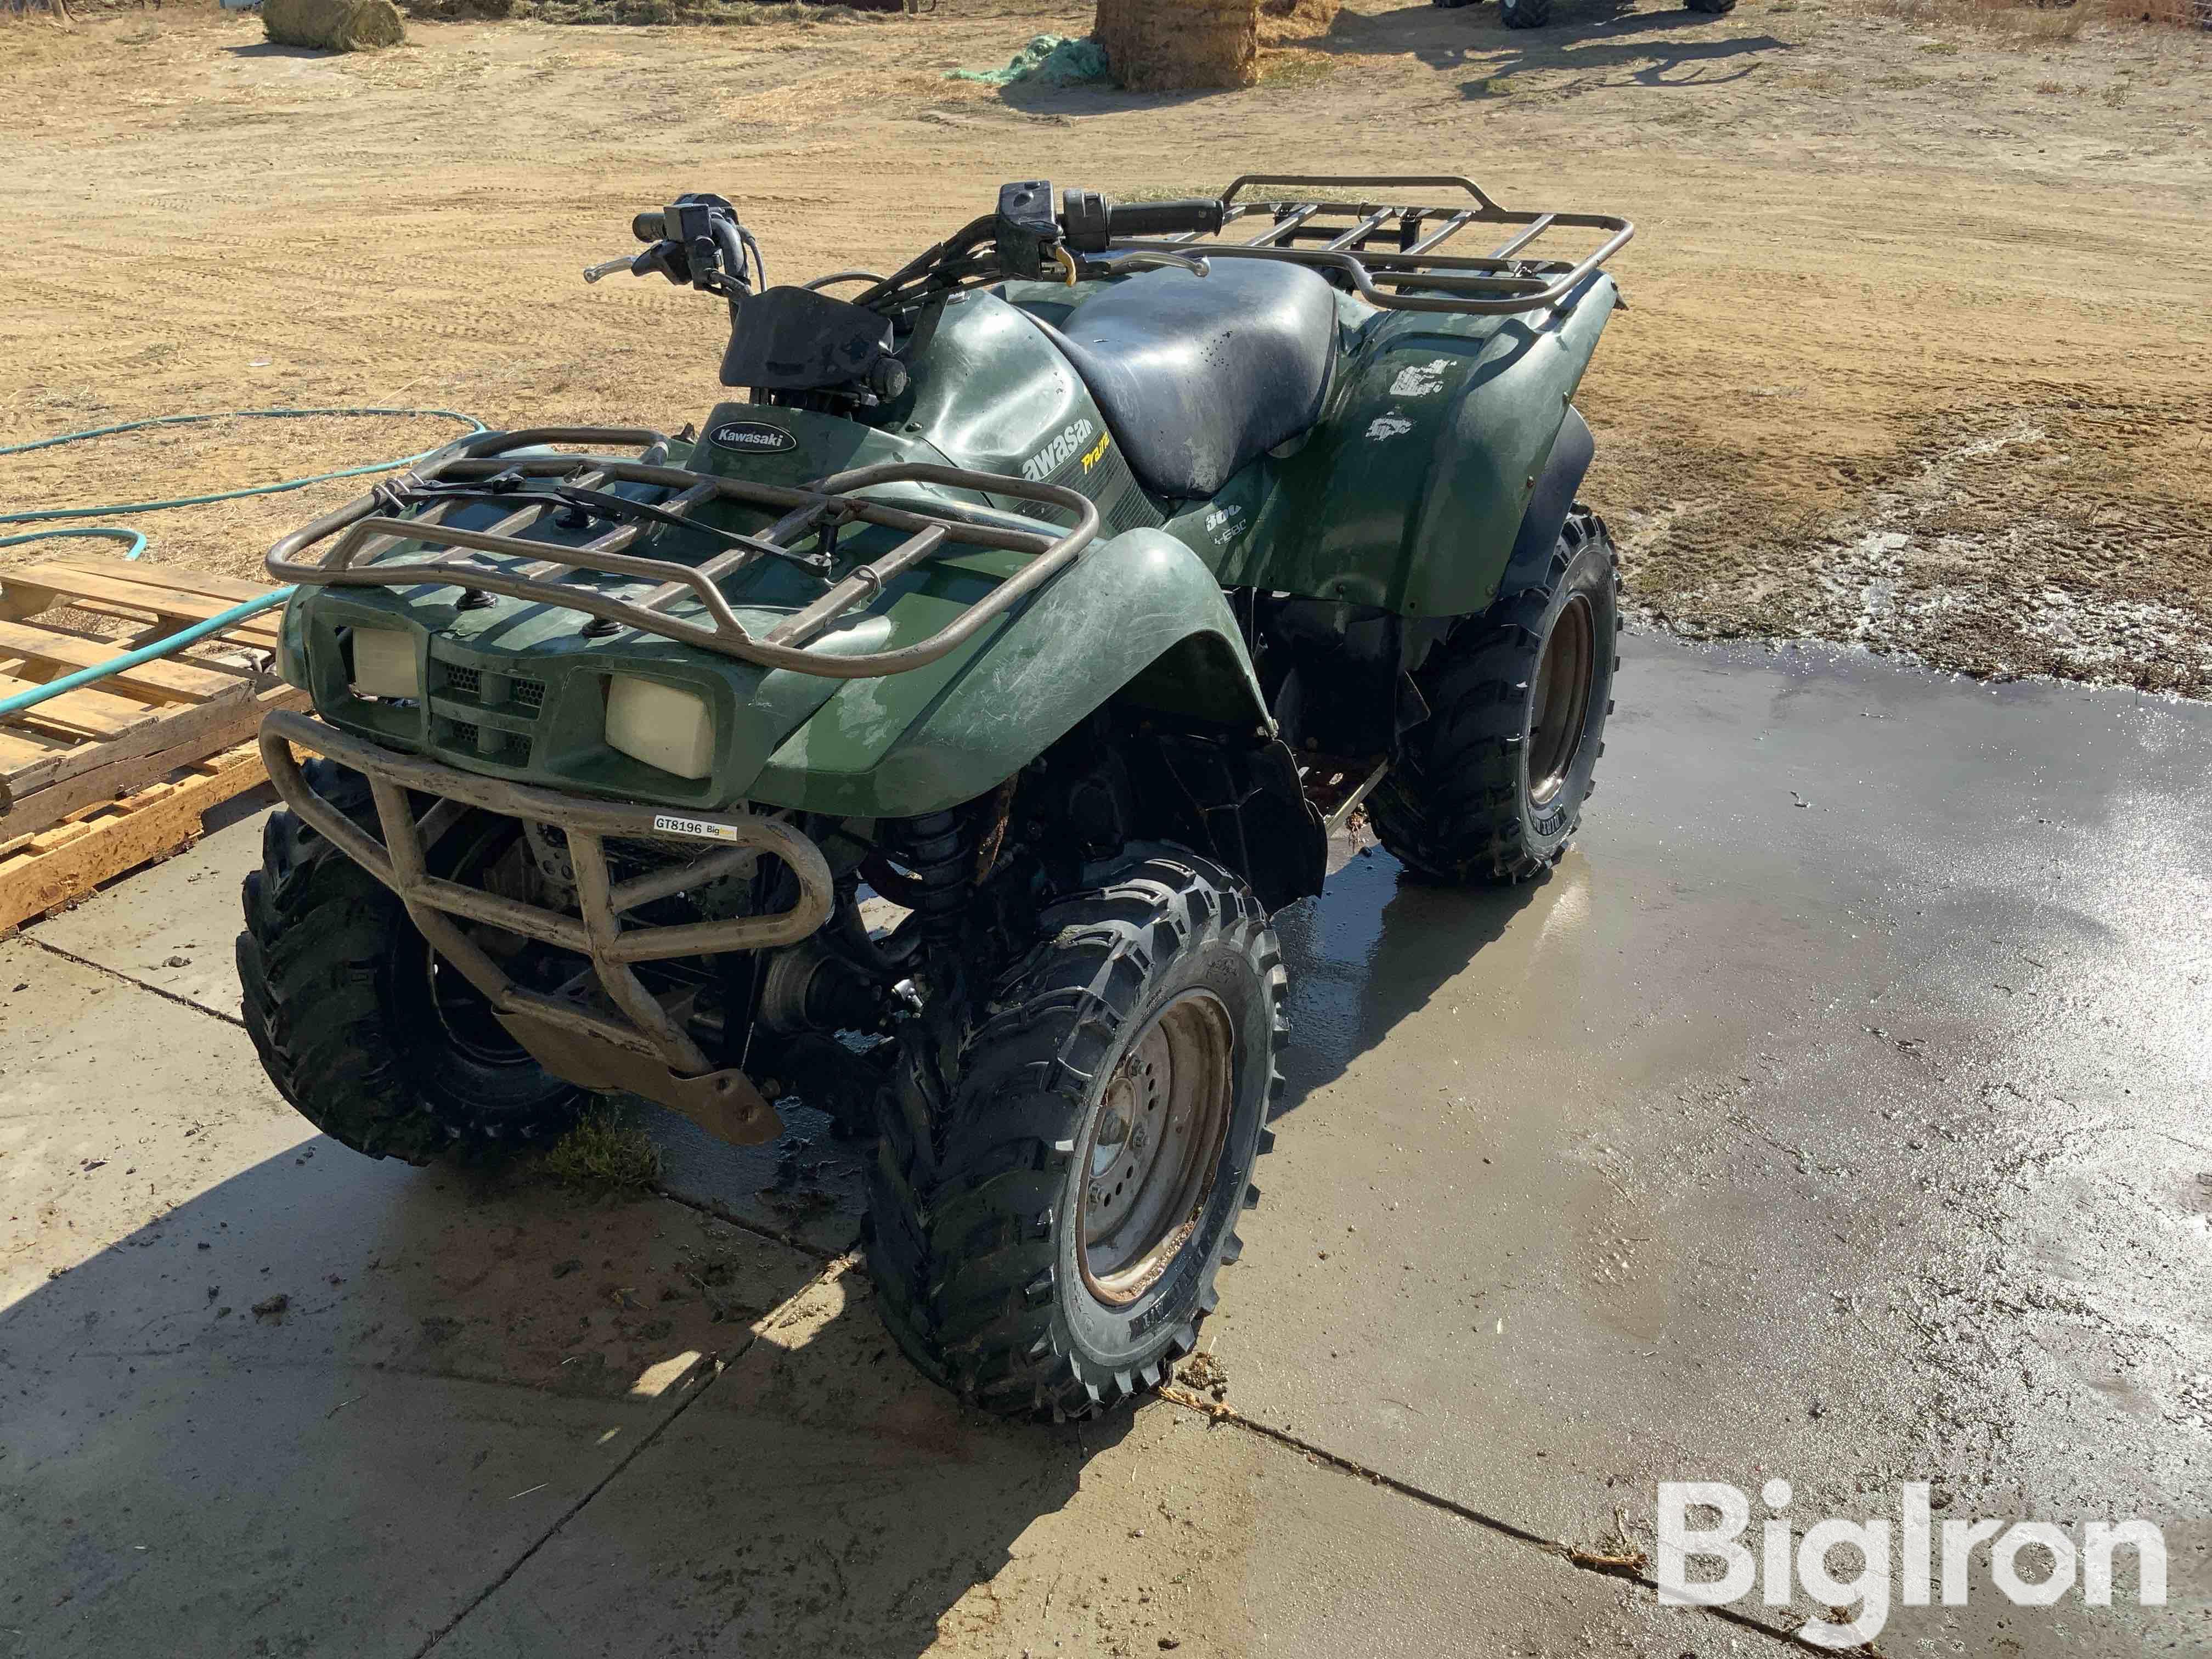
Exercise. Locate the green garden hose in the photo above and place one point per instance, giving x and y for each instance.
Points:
(175, 642)
(47, 514)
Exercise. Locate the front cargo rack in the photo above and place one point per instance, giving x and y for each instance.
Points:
(1386, 247)
(410, 511)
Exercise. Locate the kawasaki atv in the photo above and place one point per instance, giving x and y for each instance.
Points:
(930, 737)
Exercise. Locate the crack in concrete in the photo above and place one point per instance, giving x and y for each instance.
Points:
(132, 980)
(759, 1228)
(600, 1485)
(1581, 1561)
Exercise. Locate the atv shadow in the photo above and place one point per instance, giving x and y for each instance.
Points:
(1593, 39)
(1603, 42)
(468, 1382)
(1375, 947)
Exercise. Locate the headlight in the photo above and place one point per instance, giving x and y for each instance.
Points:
(384, 664)
(661, 725)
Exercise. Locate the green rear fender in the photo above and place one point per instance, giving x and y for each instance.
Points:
(1138, 617)
(1410, 494)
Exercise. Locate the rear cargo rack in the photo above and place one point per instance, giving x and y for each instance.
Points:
(1386, 246)
(410, 511)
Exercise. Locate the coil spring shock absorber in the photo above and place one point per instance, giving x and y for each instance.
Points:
(937, 852)
(940, 848)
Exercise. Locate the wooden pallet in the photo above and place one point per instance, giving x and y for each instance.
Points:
(104, 777)
(42, 872)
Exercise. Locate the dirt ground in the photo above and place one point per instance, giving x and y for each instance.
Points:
(1916, 355)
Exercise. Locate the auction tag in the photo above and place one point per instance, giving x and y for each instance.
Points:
(704, 829)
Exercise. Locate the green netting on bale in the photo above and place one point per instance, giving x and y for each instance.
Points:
(1058, 60)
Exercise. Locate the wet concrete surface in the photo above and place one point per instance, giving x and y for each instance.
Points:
(1835, 1112)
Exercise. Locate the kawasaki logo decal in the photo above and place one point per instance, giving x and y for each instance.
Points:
(1054, 454)
(755, 436)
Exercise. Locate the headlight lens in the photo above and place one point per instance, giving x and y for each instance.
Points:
(661, 724)
(384, 664)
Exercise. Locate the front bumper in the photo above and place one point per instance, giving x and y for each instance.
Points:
(611, 1034)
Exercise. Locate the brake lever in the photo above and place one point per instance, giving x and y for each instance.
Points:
(1147, 259)
(667, 257)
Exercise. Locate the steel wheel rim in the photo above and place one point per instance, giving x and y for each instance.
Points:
(1560, 704)
(1149, 1162)
(455, 1008)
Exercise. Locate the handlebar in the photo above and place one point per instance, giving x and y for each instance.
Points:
(1202, 215)
(698, 241)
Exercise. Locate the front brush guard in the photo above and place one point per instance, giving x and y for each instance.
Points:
(633, 1043)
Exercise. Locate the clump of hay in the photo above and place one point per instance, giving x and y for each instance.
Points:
(1156, 45)
(606, 1153)
(333, 25)
(1296, 19)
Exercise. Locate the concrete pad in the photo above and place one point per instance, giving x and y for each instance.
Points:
(255, 1389)
(1834, 1112)
(172, 925)
(819, 1498)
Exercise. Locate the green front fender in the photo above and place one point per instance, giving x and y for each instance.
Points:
(1138, 616)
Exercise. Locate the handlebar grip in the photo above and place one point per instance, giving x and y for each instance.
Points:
(650, 227)
(1203, 214)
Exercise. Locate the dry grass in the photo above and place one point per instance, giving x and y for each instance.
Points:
(1292, 68)
(2179, 14)
(2032, 24)
(606, 1153)
(2024, 24)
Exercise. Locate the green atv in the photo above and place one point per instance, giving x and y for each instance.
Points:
(931, 738)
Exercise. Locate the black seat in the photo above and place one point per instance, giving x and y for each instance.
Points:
(1198, 375)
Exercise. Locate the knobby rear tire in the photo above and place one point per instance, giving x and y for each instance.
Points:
(976, 1191)
(1458, 806)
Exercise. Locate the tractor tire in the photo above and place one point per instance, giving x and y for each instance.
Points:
(1715, 8)
(1058, 1179)
(1525, 13)
(1489, 788)
(377, 1044)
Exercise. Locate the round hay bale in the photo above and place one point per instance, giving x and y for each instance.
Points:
(333, 25)
(1170, 45)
